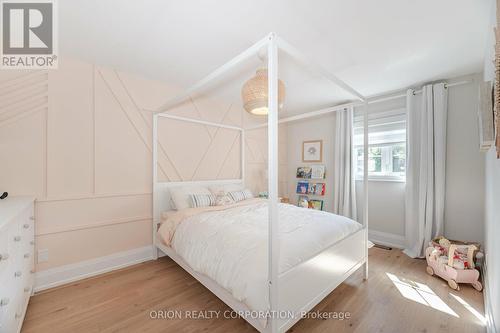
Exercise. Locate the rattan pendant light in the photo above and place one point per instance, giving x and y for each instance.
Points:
(254, 93)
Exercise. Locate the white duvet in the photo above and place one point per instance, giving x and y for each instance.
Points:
(230, 245)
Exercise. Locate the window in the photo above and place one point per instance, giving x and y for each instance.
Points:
(386, 145)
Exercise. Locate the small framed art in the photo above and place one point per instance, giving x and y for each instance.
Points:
(316, 204)
(302, 188)
(304, 172)
(312, 151)
(318, 172)
(316, 188)
(303, 201)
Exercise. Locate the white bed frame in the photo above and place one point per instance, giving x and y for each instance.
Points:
(304, 286)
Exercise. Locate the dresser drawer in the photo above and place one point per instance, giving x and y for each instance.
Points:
(4, 250)
(17, 263)
(10, 304)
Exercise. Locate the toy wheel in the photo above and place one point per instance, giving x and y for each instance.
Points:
(453, 285)
(429, 270)
(477, 285)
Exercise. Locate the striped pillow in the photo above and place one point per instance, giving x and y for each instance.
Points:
(202, 200)
(240, 195)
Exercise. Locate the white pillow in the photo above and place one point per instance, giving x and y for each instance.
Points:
(181, 195)
(240, 195)
(202, 200)
(225, 188)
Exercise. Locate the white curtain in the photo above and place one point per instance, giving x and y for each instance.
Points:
(344, 195)
(426, 162)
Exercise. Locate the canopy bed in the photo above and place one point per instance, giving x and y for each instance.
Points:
(214, 244)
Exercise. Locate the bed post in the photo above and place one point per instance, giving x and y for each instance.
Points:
(155, 180)
(365, 186)
(272, 121)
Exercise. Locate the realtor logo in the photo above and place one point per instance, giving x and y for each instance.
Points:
(28, 35)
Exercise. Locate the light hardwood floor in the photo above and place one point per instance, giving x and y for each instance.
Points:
(121, 301)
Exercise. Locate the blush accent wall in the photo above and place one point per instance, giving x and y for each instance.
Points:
(79, 138)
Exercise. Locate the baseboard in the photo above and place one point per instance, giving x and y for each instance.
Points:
(387, 239)
(57, 276)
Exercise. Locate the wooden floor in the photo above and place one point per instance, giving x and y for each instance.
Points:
(398, 297)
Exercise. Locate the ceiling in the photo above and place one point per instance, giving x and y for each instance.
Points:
(375, 46)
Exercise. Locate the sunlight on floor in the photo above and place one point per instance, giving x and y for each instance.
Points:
(420, 293)
(466, 305)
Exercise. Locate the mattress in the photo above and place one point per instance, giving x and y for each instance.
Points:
(229, 244)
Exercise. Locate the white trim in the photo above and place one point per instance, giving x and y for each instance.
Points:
(272, 186)
(57, 276)
(387, 239)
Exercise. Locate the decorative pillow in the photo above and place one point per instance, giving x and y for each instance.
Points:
(223, 200)
(181, 195)
(225, 188)
(240, 195)
(202, 200)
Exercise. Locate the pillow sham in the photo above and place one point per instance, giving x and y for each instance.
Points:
(181, 195)
(202, 200)
(223, 200)
(225, 188)
(240, 195)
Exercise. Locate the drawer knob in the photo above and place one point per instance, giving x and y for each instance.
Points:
(26, 226)
(4, 256)
(26, 289)
(18, 274)
(17, 239)
(32, 218)
(4, 301)
(26, 255)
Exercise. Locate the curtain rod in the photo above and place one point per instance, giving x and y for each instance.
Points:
(373, 100)
(415, 92)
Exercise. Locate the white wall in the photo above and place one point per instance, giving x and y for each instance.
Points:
(492, 213)
(464, 202)
(321, 128)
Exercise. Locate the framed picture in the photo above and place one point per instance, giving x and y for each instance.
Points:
(302, 188)
(316, 189)
(303, 201)
(304, 172)
(312, 151)
(316, 204)
(318, 172)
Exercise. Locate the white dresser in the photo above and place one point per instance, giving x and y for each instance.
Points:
(16, 260)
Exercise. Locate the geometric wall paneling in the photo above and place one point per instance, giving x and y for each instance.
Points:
(122, 152)
(141, 120)
(79, 139)
(184, 143)
(56, 216)
(70, 158)
(223, 146)
(85, 244)
(23, 155)
(147, 94)
(22, 95)
(23, 125)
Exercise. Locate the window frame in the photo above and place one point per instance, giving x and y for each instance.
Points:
(387, 158)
